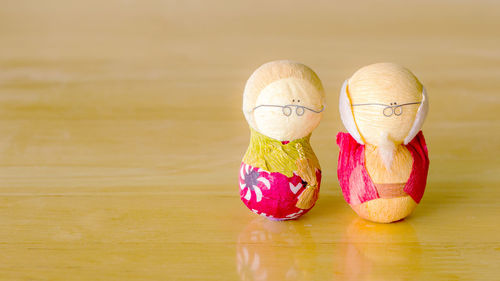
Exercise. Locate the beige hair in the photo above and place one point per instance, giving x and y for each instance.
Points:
(274, 71)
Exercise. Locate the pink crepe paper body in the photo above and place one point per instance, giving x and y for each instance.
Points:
(358, 187)
(272, 195)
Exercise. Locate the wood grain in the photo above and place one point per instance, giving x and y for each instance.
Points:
(121, 135)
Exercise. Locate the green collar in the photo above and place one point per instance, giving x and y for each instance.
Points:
(274, 156)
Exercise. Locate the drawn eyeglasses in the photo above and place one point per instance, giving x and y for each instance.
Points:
(389, 110)
(288, 109)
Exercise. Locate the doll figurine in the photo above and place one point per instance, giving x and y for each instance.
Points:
(383, 161)
(280, 175)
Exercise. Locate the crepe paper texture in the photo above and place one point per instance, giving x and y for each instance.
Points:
(383, 161)
(272, 194)
(276, 156)
(270, 184)
(307, 172)
(358, 187)
(280, 175)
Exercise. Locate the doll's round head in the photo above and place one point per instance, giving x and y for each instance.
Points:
(383, 102)
(283, 100)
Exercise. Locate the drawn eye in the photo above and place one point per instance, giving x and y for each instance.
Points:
(293, 100)
(298, 100)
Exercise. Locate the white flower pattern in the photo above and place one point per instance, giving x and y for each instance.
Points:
(260, 191)
(250, 179)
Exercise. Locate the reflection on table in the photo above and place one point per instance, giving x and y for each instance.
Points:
(372, 251)
(271, 250)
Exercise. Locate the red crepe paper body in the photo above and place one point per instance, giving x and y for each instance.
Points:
(358, 187)
(272, 195)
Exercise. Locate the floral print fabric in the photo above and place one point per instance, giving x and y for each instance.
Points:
(272, 194)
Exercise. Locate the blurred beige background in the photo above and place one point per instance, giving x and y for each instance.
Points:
(121, 135)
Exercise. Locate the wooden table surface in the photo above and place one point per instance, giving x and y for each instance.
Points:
(121, 135)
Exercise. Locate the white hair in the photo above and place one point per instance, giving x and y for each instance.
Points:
(347, 116)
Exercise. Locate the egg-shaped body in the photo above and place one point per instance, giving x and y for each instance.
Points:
(383, 161)
(366, 191)
(394, 203)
